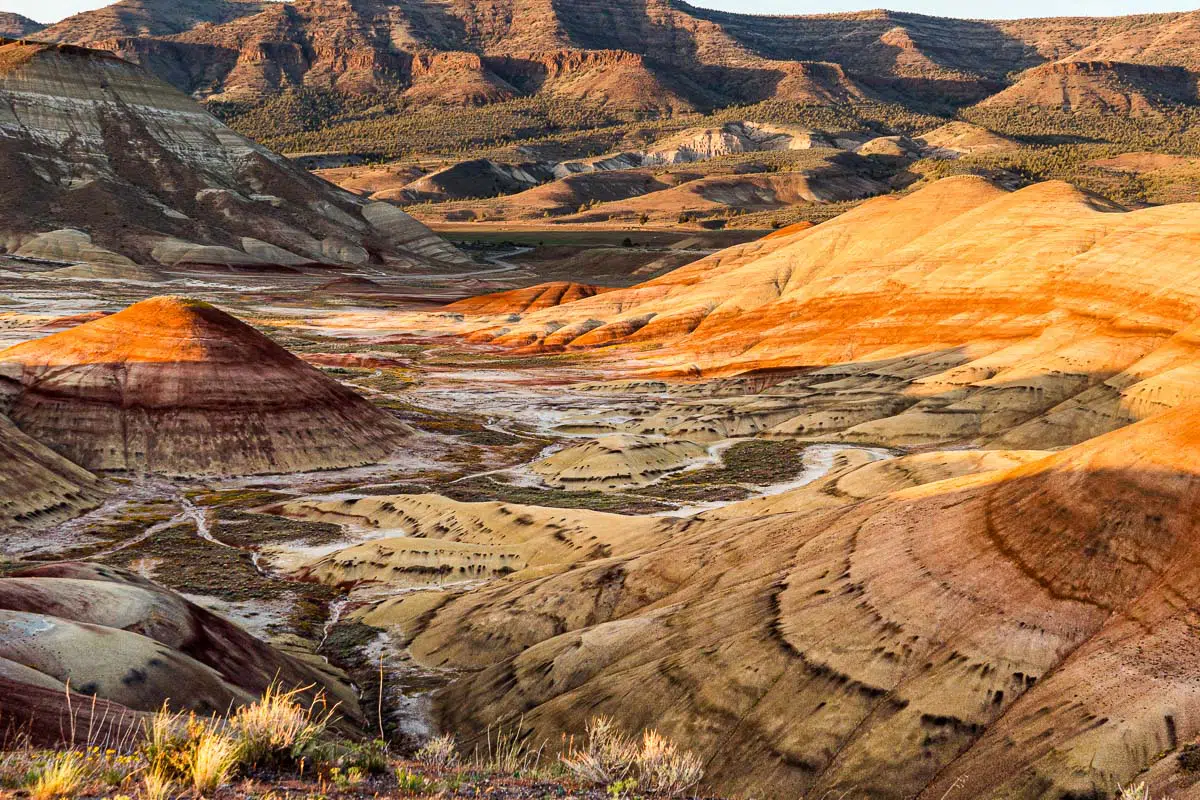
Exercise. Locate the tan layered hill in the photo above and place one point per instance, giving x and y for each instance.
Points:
(480, 177)
(616, 462)
(610, 188)
(633, 56)
(744, 136)
(962, 138)
(891, 630)
(38, 487)
(1109, 87)
(178, 387)
(111, 635)
(101, 159)
(16, 25)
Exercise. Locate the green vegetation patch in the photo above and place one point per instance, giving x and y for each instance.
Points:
(250, 530)
(759, 462)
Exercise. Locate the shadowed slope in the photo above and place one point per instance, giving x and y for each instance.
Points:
(132, 645)
(176, 386)
(1025, 627)
(37, 486)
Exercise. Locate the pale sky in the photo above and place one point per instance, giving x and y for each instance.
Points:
(54, 10)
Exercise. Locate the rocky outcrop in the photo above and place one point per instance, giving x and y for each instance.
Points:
(616, 79)
(1104, 87)
(90, 143)
(177, 387)
(457, 79)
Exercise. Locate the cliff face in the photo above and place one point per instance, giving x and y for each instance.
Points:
(91, 145)
(628, 54)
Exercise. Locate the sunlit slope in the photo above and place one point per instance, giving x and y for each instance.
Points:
(1033, 318)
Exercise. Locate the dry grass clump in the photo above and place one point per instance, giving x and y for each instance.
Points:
(279, 727)
(439, 752)
(206, 753)
(210, 759)
(63, 775)
(1138, 791)
(509, 752)
(157, 784)
(610, 758)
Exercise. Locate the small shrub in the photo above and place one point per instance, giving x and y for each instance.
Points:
(622, 788)
(277, 728)
(167, 735)
(408, 782)
(370, 758)
(63, 775)
(609, 758)
(664, 769)
(345, 778)
(1189, 758)
(608, 755)
(439, 752)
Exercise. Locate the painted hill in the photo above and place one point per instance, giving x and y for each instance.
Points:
(532, 298)
(133, 646)
(976, 619)
(962, 311)
(150, 178)
(178, 387)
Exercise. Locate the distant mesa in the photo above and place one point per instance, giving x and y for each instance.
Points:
(178, 387)
(17, 26)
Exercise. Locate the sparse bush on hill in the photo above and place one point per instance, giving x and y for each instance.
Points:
(608, 757)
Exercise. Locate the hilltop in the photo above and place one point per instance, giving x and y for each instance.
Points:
(178, 387)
